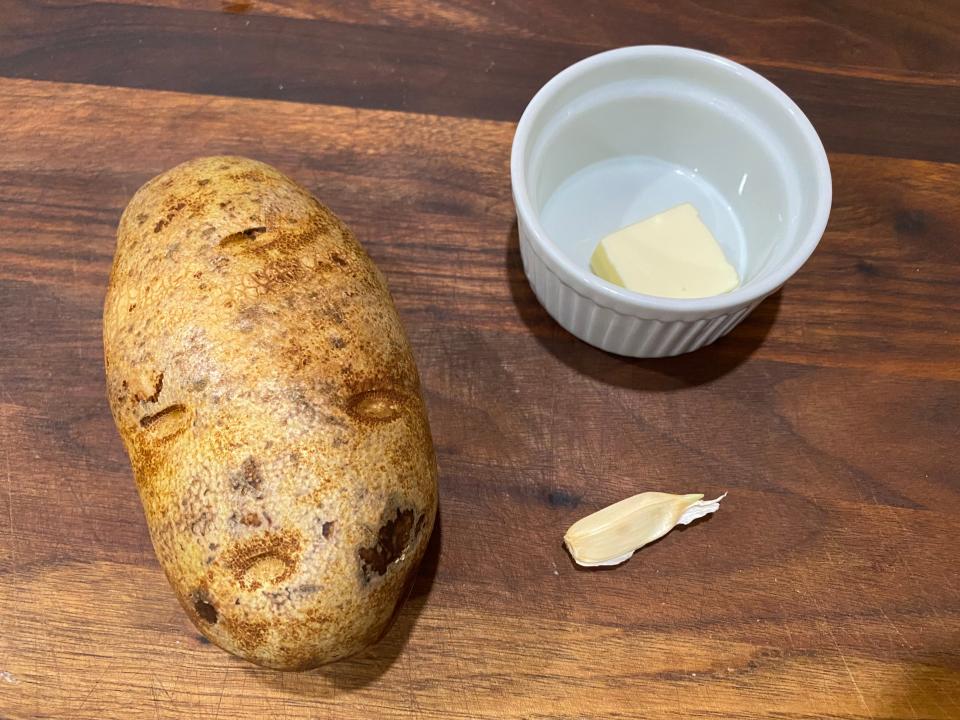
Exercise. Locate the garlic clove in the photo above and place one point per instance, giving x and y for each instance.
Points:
(610, 536)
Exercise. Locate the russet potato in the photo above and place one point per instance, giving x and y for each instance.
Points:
(268, 399)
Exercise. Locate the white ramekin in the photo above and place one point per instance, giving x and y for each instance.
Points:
(729, 122)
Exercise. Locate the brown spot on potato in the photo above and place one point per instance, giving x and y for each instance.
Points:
(265, 559)
(247, 479)
(392, 540)
(250, 519)
(248, 634)
(157, 387)
(161, 224)
(141, 218)
(285, 241)
(204, 606)
(327, 529)
(167, 423)
(377, 406)
(203, 181)
(242, 239)
(252, 175)
(336, 259)
(338, 343)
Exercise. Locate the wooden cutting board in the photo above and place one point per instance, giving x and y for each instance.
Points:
(826, 586)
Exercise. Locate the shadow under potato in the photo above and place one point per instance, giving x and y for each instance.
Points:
(367, 666)
(653, 374)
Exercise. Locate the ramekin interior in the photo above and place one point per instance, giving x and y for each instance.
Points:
(696, 110)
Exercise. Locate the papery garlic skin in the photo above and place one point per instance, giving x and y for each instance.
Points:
(612, 535)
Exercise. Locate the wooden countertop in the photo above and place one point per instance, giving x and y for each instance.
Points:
(826, 586)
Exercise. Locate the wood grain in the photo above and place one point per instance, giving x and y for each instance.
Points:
(852, 34)
(825, 586)
(437, 70)
(404, 180)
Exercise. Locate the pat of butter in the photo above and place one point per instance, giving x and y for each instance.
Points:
(672, 254)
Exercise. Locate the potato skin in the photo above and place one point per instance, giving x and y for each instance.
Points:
(267, 396)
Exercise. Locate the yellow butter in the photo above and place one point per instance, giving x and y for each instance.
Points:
(672, 254)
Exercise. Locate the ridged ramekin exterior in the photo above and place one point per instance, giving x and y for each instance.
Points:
(618, 332)
(612, 318)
